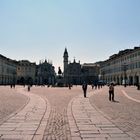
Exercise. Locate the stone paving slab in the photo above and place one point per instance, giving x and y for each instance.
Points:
(87, 123)
(29, 123)
(124, 113)
(131, 91)
(10, 102)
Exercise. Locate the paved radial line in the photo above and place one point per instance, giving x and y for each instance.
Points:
(57, 126)
(138, 101)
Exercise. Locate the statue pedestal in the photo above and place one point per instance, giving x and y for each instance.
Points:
(60, 81)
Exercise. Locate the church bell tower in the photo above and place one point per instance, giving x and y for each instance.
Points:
(65, 58)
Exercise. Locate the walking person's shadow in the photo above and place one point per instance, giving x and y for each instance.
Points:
(115, 101)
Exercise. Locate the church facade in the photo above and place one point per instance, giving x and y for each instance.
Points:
(24, 72)
(76, 73)
(45, 74)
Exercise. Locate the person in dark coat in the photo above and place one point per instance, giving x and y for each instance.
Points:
(29, 87)
(111, 92)
(84, 87)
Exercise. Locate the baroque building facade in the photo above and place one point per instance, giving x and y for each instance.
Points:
(75, 73)
(26, 72)
(72, 74)
(45, 73)
(90, 72)
(72, 71)
(122, 68)
(7, 71)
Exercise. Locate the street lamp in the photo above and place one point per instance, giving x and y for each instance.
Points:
(124, 70)
(99, 77)
(103, 73)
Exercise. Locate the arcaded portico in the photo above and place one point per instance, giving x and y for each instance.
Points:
(122, 68)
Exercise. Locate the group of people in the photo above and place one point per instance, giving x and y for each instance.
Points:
(111, 91)
(96, 86)
(12, 85)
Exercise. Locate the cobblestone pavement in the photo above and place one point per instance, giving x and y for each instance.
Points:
(124, 113)
(58, 125)
(29, 123)
(10, 101)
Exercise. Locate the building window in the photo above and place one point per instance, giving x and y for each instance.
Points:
(139, 64)
(136, 65)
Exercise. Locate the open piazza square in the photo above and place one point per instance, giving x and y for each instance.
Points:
(69, 70)
(54, 113)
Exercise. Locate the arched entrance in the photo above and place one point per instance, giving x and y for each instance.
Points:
(136, 80)
(29, 81)
(118, 83)
(22, 81)
(130, 80)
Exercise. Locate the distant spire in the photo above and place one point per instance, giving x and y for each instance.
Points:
(74, 60)
(65, 53)
(65, 50)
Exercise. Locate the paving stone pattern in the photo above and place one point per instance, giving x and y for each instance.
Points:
(57, 127)
(125, 113)
(58, 124)
(62, 114)
(10, 102)
(29, 123)
(87, 123)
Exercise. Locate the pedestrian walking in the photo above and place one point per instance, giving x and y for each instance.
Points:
(69, 86)
(95, 85)
(14, 85)
(11, 85)
(92, 85)
(84, 87)
(111, 92)
(29, 87)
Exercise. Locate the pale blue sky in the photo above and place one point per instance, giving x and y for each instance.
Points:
(92, 30)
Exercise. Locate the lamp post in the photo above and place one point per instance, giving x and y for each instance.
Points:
(103, 73)
(124, 70)
(99, 77)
